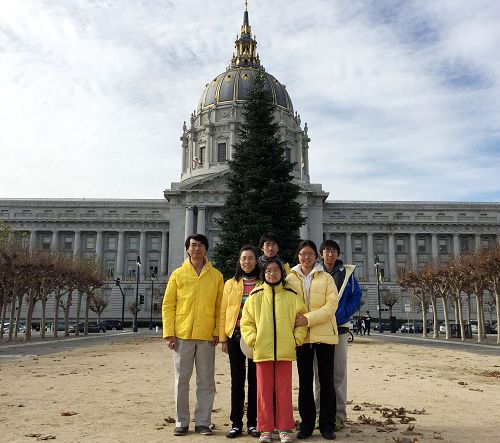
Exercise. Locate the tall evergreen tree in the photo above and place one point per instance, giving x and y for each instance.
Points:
(262, 197)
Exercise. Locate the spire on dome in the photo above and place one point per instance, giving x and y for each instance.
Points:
(245, 46)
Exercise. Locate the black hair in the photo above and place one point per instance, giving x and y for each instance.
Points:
(268, 236)
(329, 244)
(198, 237)
(302, 245)
(238, 273)
(280, 265)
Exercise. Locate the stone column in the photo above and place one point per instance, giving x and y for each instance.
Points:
(477, 238)
(413, 251)
(370, 258)
(201, 222)
(54, 244)
(98, 245)
(456, 245)
(163, 256)
(189, 222)
(76, 243)
(434, 247)
(348, 248)
(120, 254)
(142, 254)
(32, 239)
(392, 259)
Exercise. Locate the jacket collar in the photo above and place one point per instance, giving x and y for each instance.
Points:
(206, 267)
(317, 268)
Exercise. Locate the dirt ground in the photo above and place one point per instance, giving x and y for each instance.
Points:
(123, 392)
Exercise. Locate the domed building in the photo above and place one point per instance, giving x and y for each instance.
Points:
(213, 131)
(397, 234)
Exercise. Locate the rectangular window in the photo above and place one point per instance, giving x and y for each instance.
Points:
(155, 243)
(221, 153)
(421, 245)
(111, 244)
(68, 243)
(202, 155)
(401, 268)
(46, 242)
(360, 270)
(288, 154)
(485, 243)
(400, 245)
(110, 267)
(358, 245)
(90, 243)
(443, 246)
(131, 269)
(464, 244)
(153, 267)
(132, 243)
(379, 244)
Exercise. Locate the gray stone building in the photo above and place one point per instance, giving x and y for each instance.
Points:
(401, 233)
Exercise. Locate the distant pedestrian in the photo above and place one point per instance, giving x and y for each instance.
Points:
(368, 320)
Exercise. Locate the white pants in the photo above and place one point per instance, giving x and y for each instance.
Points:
(202, 354)
(339, 377)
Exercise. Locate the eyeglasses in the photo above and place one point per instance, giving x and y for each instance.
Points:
(307, 255)
(329, 251)
(197, 246)
(272, 271)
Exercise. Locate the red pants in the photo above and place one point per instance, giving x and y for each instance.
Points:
(274, 379)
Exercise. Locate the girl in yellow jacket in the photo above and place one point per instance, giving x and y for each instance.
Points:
(321, 297)
(268, 327)
(236, 292)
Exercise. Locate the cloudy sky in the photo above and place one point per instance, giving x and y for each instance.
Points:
(402, 98)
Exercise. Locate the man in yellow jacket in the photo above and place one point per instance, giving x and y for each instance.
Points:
(190, 312)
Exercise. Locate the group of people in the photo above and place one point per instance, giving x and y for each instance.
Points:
(268, 315)
(363, 324)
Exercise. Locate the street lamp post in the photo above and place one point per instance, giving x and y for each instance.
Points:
(135, 328)
(117, 282)
(152, 297)
(377, 267)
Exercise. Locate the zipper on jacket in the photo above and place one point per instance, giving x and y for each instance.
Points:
(274, 323)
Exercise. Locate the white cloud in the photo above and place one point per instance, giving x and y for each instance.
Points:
(407, 99)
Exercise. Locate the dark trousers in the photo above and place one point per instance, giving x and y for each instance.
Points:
(237, 361)
(307, 408)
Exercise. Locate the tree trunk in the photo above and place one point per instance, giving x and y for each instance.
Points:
(45, 296)
(67, 305)
(446, 320)
(78, 307)
(483, 323)
(12, 313)
(469, 308)
(458, 309)
(18, 314)
(479, 308)
(29, 314)
(57, 299)
(424, 315)
(496, 291)
(87, 309)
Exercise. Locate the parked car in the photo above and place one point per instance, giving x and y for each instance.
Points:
(21, 330)
(385, 327)
(92, 326)
(416, 328)
(112, 324)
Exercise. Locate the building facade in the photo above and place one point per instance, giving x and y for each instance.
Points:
(402, 234)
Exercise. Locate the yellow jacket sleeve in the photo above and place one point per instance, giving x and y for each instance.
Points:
(248, 326)
(327, 311)
(300, 332)
(168, 307)
(223, 309)
(218, 302)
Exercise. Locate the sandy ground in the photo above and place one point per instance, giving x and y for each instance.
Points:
(123, 392)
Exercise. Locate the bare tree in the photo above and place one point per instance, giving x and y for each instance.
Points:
(98, 302)
(491, 266)
(390, 298)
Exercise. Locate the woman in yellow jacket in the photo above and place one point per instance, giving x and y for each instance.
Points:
(268, 327)
(321, 297)
(236, 292)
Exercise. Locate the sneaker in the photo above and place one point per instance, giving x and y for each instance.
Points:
(265, 437)
(181, 430)
(252, 430)
(233, 433)
(286, 437)
(303, 434)
(203, 430)
(339, 423)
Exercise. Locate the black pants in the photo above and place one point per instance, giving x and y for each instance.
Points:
(237, 361)
(307, 408)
